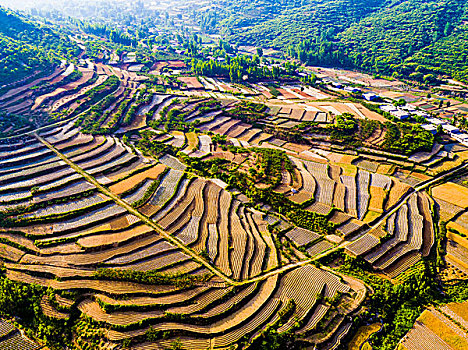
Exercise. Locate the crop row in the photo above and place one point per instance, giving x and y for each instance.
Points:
(411, 234)
(17, 342)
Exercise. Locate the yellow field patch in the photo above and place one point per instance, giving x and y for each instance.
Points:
(347, 159)
(119, 223)
(348, 169)
(397, 191)
(461, 309)
(307, 155)
(192, 140)
(10, 253)
(362, 335)
(127, 184)
(385, 169)
(456, 226)
(176, 133)
(97, 229)
(112, 238)
(457, 238)
(370, 216)
(443, 331)
(296, 147)
(451, 258)
(452, 193)
(377, 199)
(126, 173)
(404, 172)
(334, 157)
(419, 176)
(448, 165)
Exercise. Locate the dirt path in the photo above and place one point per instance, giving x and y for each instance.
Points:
(416, 189)
(135, 212)
(196, 257)
(174, 240)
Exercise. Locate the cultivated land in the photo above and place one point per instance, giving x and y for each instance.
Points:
(98, 207)
(441, 328)
(221, 298)
(12, 338)
(188, 210)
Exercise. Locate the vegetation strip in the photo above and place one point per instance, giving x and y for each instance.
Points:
(135, 212)
(175, 241)
(419, 188)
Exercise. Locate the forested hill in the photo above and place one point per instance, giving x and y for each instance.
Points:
(400, 37)
(26, 47)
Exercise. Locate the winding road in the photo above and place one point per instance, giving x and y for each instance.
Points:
(135, 212)
(417, 189)
(196, 257)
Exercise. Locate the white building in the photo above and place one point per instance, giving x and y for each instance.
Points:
(399, 114)
(351, 89)
(430, 127)
(463, 138)
(136, 68)
(435, 121)
(450, 129)
(408, 108)
(388, 108)
(420, 113)
(370, 96)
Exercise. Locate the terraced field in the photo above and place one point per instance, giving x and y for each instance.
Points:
(66, 231)
(355, 195)
(117, 215)
(441, 328)
(10, 338)
(71, 90)
(411, 237)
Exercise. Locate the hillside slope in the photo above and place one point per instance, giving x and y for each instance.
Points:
(383, 36)
(26, 47)
(448, 55)
(288, 25)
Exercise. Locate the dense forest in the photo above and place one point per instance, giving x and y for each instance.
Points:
(26, 48)
(404, 38)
